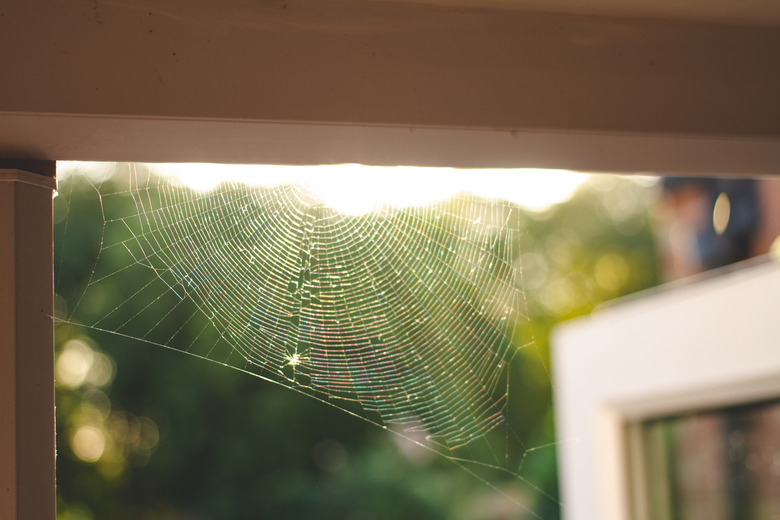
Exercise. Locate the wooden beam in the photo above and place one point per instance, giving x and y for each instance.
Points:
(332, 77)
(45, 168)
(26, 347)
(389, 64)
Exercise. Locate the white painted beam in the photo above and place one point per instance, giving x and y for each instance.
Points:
(333, 78)
(70, 137)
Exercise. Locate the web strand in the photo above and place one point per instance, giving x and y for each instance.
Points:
(408, 312)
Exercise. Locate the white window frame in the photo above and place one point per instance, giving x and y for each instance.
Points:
(713, 343)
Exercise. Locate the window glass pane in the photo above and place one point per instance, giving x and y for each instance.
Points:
(716, 465)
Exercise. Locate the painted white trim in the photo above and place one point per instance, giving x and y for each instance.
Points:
(711, 344)
(146, 139)
(33, 179)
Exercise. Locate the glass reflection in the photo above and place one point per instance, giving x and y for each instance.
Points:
(716, 465)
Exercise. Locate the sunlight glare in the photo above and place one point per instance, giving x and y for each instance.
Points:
(355, 189)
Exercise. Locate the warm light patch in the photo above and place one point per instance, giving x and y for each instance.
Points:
(88, 443)
(73, 363)
(355, 189)
(721, 214)
(78, 364)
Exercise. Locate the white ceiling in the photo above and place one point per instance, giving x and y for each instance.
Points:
(735, 12)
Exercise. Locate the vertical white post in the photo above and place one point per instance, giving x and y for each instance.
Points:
(27, 452)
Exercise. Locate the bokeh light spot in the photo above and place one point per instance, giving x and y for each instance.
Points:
(74, 363)
(88, 443)
(721, 214)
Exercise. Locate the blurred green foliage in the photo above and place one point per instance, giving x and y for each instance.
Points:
(148, 433)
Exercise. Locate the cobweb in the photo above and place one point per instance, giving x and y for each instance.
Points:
(404, 316)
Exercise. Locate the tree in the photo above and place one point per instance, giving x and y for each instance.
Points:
(145, 432)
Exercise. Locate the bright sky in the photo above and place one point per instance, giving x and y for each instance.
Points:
(356, 189)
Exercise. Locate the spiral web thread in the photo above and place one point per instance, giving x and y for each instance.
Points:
(402, 316)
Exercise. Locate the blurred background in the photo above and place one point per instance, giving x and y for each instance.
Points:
(144, 432)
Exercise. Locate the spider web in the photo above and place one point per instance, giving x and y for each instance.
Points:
(404, 316)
